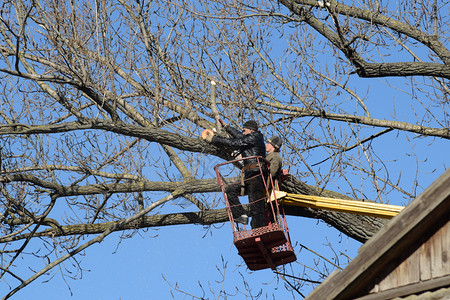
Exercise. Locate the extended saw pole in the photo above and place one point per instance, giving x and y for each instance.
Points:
(372, 209)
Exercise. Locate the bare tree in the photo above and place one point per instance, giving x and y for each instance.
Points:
(103, 103)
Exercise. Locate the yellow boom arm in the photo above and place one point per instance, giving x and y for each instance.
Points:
(372, 209)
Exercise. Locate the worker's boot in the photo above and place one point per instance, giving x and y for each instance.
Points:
(242, 219)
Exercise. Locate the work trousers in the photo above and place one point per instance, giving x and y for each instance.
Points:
(253, 186)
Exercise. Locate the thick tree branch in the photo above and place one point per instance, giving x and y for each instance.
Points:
(188, 186)
(196, 145)
(343, 222)
(363, 68)
(298, 112)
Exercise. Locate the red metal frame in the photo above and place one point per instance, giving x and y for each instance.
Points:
(268, 246)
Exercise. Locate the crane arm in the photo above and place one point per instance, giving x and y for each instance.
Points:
(372, 209)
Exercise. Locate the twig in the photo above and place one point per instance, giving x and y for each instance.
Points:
(298, 278)
(355, 145)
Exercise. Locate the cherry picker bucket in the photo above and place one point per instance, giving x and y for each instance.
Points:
(263, 247)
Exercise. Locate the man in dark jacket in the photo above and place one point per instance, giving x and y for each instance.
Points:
(249, 142)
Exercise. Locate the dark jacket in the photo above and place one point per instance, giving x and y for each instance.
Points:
(248, 145)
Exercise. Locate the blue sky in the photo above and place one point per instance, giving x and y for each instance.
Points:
(192, 257)
(189, 255)
(184, 257)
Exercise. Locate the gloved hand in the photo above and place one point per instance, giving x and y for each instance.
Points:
(207, 135)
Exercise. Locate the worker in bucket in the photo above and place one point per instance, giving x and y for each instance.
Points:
(248, 142)
(273, 146)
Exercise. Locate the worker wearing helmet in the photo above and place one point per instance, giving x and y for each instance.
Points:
(248, 142)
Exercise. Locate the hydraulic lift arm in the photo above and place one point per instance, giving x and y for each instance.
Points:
(372, 209)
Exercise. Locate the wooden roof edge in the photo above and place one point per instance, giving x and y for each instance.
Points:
(423, 214)
(417, 288)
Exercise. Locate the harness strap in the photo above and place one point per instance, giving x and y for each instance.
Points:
(248, 167)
